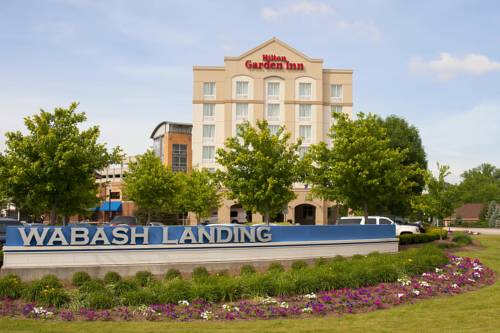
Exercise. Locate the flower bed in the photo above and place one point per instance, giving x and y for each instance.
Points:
(458, 276)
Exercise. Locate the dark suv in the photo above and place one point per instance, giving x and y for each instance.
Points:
(4, 223)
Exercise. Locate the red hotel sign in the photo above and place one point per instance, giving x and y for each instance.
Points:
(271, 61)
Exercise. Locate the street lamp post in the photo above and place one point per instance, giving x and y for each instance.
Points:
(109, 207)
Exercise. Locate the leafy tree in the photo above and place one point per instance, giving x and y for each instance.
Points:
(404, 136)
(259, 168)
(199, 193)
(52, 168)
(438, 200)
(150, 185)
(480, 185)
(361, 169)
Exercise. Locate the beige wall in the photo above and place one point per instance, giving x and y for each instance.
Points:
(225, 98)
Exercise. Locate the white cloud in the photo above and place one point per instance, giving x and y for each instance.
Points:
(464, 140)
(447, 66)
(297, 8)
(366, 29)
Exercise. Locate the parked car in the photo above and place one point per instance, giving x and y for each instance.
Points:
(238, 216)
(7, 222)
(123, 221)
(210, 220)
(401, 229)
(155, 224)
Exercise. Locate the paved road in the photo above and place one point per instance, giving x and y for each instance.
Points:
(484, 231)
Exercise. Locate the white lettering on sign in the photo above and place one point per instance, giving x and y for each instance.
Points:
(79, 236)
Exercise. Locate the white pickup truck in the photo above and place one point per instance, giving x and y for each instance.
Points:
(401, 229)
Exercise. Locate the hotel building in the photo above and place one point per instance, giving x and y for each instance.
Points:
(282, 85)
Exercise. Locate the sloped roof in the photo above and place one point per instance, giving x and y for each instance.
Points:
(469, 211)
(277, 41)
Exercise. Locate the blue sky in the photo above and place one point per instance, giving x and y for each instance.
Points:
(128, 63)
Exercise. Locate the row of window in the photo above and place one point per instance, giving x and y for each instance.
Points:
(304, 132)
(273, 90)
(272, 111)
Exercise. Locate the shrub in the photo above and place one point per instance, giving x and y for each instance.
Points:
(52, 297)
(206, 289)
(143, 278)
(462, 239)
(230, 288)
(173, 291)
(223, 272)
(275, 267)
(80, 278)
(100, 300)
(51, 281)
(298, 264)
(417, 238)
(139, 297)
(322, 261)
(92, 286)
(10, 286)
(172, 273)
(124, 286)
(112, 278)
(247, 270)
(200, 273)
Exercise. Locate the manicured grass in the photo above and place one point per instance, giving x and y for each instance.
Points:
(470, 312)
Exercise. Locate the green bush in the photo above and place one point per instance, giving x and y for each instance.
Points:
(275, 267)
(462, 239)
(92, 286)
(322, 261)
(10, 286)
(247, 270)
(112, 278)
(207, 289)
(53, 297)
(143, 278)
(80, 278)
(51, 281)
(139, 297)
(298, 264)
(173, 291)
(124, 286)
(173, 273)
(99, 300)
(200, 273)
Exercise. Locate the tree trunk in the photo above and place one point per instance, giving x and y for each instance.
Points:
(266, 218)
(53, 216)
(440, 231)
(365, 209)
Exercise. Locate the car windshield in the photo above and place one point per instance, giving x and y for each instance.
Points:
(349, 221)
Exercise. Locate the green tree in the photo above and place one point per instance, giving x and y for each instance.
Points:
(439, 197)
(150, 184)
(199, 193)
(480, 185)
(404, 136)
(52, 167)
(361, 169)
(259, 168)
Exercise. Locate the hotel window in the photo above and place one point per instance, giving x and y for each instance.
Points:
(179, 157)
(114, 195)
(208, 132)
(273, 90)
(273, 112)
(241, 89)
(336, 109)
(305, 112)
(273, 129)
(208, 111)
(336, 91)
(305, 90)
(241, 111)
(305, 133)
(302, 151)
(209, 89)
(208, 154)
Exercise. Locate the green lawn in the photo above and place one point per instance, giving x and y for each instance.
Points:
(470, 312)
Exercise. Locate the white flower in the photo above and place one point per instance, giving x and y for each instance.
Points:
(269, 300)
(400, 295)
(478, 268)
(42, 313)
(457, 273)
(284, 305)
(425, 274)
(424, 283)
(471, 280)
(207, 315)
(307, 310)
(310, 296)
(183, 303)
(439, 270)
(442, 276)
(228, 308)
(477, 275)
(416, 292)
(454, 285)
(405, 281)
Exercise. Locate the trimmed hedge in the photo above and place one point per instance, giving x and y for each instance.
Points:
(462, 239)
(80, 278)
(327, 274)
(431, 235)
